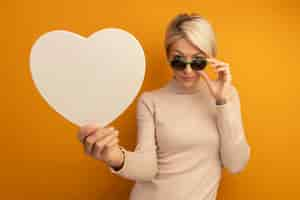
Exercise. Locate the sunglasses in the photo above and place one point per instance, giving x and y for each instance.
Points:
(178, 63)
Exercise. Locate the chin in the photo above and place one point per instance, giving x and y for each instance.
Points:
(188, 83)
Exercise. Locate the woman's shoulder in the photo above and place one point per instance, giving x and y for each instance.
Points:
(153, 94)
(152, 97)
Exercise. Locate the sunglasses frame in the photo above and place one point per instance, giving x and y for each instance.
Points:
(187, 62)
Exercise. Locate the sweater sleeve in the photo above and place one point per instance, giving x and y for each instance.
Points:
(141, 164)
(234, 148)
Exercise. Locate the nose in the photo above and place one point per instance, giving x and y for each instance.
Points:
(188, 68)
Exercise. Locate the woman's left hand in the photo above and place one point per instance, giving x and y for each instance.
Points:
(219, 88)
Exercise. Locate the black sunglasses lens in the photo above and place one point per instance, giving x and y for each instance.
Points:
(198, 64)
(178, 64)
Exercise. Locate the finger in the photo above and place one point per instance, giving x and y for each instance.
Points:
(223, 64)
(112, 132)
(100, 144)
(221, 75)
(112, 143)
(87, 130)
(92, 139)
(228, 78)
(88, 135)
(212, 60)
(219, 65)
(225, 77)
(215, 63)
(224, 69)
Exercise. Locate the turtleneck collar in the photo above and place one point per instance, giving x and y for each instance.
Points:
(174, 86)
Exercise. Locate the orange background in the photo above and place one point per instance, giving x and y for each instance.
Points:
(40, 155)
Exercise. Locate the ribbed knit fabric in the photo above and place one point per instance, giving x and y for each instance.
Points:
(183, 141)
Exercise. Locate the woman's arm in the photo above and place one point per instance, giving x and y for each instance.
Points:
(141, 164)
(234, 149)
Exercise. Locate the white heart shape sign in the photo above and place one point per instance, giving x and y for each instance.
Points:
(90, 79)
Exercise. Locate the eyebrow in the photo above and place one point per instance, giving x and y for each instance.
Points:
(193, 55)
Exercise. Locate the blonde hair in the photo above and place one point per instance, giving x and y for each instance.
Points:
(195, 29)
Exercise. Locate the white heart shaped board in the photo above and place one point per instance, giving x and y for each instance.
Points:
(90, 79)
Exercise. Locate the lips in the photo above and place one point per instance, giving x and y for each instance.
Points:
(188, 78)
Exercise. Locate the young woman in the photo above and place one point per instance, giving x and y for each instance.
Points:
(187, 130)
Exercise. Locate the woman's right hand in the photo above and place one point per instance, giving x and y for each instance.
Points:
(101, 143)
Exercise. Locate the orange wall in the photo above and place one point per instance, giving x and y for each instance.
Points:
(40, 155)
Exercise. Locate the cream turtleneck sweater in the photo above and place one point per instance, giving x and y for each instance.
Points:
(183, 141)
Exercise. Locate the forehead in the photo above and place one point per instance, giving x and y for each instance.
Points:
(183, 46)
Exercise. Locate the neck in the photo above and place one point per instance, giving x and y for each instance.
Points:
(175, 86)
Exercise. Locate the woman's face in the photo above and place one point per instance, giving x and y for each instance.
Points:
(182, 47)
